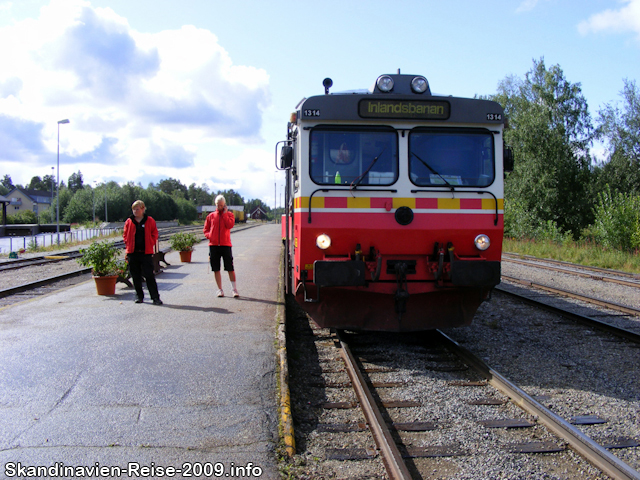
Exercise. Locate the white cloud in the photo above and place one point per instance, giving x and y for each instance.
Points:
(624, 19)
(145, 104)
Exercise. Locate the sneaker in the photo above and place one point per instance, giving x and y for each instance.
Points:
(138, 300)
(220, 293)
(157, 301)
(235, 293)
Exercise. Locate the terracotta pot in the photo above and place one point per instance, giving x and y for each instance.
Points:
(106, 285)
(185, 256)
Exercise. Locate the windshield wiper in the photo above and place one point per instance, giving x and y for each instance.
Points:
(433, 171)
(357, 181)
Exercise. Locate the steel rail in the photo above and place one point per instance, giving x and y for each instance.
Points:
(577, 296)
(584, 445)
(573, 272)
(607, 271)
(391, 456)
(41, 283)
(592, 322)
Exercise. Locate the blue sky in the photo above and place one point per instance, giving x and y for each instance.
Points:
(201, 90)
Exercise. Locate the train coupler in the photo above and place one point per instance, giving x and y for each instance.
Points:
(402, 293)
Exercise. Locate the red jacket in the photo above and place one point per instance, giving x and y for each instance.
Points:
(150, 235)
(219, 232)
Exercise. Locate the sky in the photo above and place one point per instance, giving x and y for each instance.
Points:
(201, 90)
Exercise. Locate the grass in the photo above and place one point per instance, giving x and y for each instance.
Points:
(576, 252)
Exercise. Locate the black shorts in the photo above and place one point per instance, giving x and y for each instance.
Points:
(218, 252)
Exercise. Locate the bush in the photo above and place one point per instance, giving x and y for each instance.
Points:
(101, 258)
(617, 220)
(22, 217)
(183, 242)
(522, 223)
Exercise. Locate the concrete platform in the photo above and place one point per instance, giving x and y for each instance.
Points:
(88, 380)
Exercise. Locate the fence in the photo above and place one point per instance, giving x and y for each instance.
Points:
(13, 244)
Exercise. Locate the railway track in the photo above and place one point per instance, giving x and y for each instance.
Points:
(604, 274)
(599, 446)
(429, 414)
(610, 289)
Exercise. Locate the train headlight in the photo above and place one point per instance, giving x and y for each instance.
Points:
(419, 84)
(385, 83)
(323, 241)
(482, 242)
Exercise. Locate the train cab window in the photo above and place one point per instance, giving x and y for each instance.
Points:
(458, 157)
(353, 156)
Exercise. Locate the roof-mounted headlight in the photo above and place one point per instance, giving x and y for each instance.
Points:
(482, 242)
(323, 241)
(385, 83)
(419, 84)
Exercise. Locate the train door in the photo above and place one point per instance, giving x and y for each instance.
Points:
(288, 164)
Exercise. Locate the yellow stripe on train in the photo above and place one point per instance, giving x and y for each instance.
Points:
(364, 203)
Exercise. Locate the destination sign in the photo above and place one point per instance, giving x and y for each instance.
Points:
(416, 109)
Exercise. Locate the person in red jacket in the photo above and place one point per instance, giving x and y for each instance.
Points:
(140, 237)
(217, 228)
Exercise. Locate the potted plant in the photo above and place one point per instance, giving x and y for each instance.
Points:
(101, 258)
(183, 243)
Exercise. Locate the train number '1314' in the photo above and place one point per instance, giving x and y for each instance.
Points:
(494, 116)
(311, 113)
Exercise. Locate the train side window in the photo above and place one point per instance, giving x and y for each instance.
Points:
(354, 156)
(462, 157)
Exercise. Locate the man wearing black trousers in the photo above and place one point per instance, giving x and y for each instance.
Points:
(140, 236)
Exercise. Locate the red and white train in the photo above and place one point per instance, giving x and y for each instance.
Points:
(395, 206)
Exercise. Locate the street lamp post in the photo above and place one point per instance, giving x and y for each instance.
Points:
(58, 183)
(51, 209)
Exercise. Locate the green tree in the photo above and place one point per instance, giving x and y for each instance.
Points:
(199, 195)
(36, 183)
(7, 182)
(159, 205)
(171, 185)
(75, 182)
(620, 129)
(80, 207)
(187, 211)
(65, 197)
(230, 196)
(550, 131)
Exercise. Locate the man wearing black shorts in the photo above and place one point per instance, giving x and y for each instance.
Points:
(217, 228)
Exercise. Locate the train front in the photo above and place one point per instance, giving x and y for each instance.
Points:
(396, 207)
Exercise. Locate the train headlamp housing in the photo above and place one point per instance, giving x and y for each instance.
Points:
(385, 83)
(482, 242)
(419, 84)
(323, 241)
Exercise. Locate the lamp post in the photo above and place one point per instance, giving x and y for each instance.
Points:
(51, 209)
(93, 197)
(106, 219)
(58, 183)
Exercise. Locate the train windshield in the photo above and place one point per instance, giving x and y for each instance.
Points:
(462, 157)
(354, 156)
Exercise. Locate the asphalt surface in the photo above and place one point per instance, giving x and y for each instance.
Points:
(91, 381)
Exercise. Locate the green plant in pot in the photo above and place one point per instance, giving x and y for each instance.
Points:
(183, 243)
(101, 258)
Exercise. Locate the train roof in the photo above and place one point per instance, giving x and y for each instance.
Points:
(398, 97)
